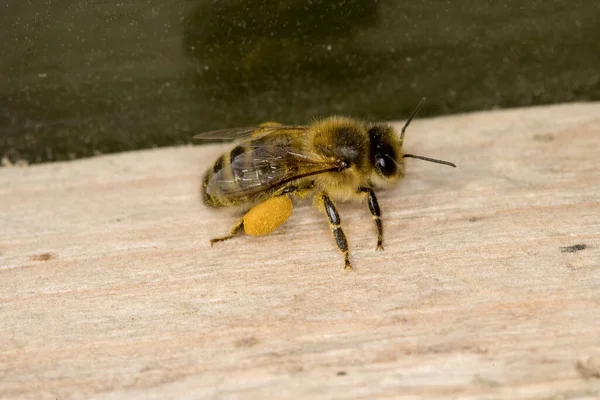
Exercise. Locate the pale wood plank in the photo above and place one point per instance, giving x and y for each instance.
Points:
(108, 288)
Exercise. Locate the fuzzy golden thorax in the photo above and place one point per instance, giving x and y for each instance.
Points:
(373, 153)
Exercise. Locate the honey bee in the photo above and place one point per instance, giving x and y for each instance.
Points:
(335, 159)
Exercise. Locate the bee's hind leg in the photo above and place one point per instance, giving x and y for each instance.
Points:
(262, 219)
(237, 230)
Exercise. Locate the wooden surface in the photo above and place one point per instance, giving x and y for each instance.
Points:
(109, 289)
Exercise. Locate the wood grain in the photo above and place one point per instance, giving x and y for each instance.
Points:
(109, 289)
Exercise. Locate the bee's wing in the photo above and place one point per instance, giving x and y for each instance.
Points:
(263, 167)
(247, 133)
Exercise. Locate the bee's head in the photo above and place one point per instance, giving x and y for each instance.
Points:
(386, 153)
(387, 156)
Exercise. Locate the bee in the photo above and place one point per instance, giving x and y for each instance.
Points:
(335, 159)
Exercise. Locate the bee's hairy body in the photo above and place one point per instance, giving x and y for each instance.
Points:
(335, 159)
(332, 141)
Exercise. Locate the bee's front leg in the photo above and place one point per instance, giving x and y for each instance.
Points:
(376, 213)
(324, 203)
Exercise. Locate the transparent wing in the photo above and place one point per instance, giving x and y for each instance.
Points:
(264, 167)
(251, 132)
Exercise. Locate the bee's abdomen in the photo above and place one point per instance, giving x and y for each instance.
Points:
(216, 193)
(246, 174)
(209, 199)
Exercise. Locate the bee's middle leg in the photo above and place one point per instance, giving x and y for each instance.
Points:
(335, 223)
(376, 213)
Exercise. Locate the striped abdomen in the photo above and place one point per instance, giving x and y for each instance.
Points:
(248, 173)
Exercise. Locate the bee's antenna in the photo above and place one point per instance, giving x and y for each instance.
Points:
(434, 160)
(410, 118)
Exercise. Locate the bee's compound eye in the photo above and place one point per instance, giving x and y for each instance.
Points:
(386, 166)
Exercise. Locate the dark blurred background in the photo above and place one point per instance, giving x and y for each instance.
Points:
(79, 78)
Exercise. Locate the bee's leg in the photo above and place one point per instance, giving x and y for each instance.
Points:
(336, 228)
(237, 229)
(262, 219)
(376, 213)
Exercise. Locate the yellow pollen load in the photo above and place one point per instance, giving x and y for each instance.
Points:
(265, 217)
